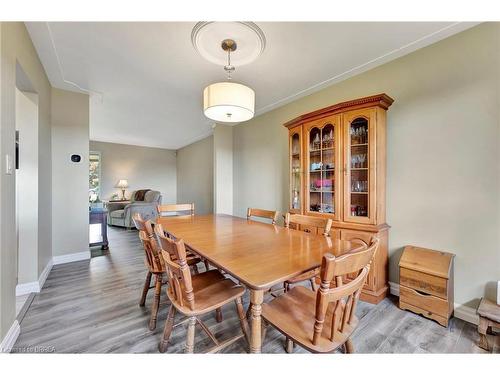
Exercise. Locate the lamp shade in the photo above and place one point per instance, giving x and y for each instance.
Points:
(228, 102)
(122, 184)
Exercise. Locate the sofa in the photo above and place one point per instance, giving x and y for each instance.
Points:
(120, 213)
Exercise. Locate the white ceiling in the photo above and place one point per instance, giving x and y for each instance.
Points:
(147, 79)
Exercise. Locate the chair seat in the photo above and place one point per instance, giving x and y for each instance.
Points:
(304, 276)
(293, 314)
(117, 214)
(211, 291)
(192, 259)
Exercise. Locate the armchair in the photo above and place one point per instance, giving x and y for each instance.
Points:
(120, 213)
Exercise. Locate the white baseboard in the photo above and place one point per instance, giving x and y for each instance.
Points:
(35, 286)
(45, 273)
(10, 338)
(394, 288)
(466, 313)
(460, 311)
(68, 258)
(27, 288)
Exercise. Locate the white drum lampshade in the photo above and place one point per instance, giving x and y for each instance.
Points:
(228, 102)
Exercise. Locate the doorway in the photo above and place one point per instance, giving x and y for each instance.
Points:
(95, 203)
(26, 103)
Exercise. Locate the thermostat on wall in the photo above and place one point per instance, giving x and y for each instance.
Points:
(76, 158)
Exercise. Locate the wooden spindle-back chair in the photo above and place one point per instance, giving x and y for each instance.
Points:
(309, 224)
(314, 224)
(195, 295)
(263, 214)
(323, 321)
(155, 264)
(182, 209)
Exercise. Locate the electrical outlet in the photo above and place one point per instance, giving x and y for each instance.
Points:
(8, 164)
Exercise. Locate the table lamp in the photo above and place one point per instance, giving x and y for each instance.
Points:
(122, 184)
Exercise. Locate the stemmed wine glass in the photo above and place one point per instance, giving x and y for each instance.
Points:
(362, 159)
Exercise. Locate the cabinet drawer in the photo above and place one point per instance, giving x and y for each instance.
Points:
(423, 282)
(425, 302)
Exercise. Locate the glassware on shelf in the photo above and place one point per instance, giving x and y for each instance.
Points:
(329, 166)
(316, 166)
(315, 207)
(327, 208)
(359, 134)
(328, 139)
(362, 159)
(316, 143)
(295, 201)
(358, 186)
(358, 161)
(358, 210)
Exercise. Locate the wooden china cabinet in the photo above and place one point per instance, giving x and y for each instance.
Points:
(338, 170)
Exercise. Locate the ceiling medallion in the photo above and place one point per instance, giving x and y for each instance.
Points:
(207, 36)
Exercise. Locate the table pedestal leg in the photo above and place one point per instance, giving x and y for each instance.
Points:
(256, 298)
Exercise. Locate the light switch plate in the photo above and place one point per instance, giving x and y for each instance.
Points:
(8, 164)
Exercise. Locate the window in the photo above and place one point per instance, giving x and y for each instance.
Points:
(94, 176)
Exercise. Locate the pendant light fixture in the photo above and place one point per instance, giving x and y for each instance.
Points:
(228, 101)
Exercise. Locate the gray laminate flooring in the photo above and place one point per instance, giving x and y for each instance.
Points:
(92, 307)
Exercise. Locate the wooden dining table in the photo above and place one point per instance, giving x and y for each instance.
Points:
(257, 254)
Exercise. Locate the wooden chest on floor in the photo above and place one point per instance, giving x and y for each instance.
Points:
(426, 283)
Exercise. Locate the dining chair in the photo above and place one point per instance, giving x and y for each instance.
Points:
(182, 209)
(324, 320)
(299, 220)
(263, 214)
(196, 295)
(155, 265)
(307, 224)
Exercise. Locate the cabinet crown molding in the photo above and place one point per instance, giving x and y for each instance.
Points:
(381, 100)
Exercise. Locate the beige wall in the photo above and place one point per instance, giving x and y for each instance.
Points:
(443, 153)
(16, 46)
(223, 169)
(70, 135)
(143, 167)
(195, 175)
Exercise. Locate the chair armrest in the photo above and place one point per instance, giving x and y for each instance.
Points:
(147, 210)
(113, 206)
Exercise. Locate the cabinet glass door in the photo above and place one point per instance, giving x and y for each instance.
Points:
(359, 181)
(322, 147)
(295, 172)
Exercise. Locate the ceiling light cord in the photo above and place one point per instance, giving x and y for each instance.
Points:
(229, 45)
(229, 64)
